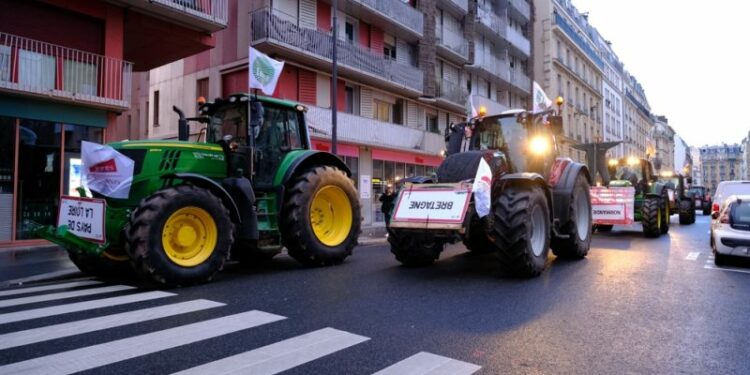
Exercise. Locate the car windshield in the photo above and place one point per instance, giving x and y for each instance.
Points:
(740, 213)
(724, 191)
(507, 135)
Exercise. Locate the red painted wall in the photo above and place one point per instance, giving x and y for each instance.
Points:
(234, 82)
(197, 62)
(364, 34)
(342, 149)
(324, 16)
(405, 157)
(376, 39)
(287, 87)
(340, 96)
(307, 87)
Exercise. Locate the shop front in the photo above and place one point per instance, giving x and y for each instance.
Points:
(40, 159)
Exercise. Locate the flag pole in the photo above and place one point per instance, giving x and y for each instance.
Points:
(334, 81)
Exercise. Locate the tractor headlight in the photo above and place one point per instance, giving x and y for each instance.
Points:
(539, 145)
(633, 160)
(613, 162)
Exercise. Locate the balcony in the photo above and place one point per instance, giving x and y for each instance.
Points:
(491, 67)
(281, 34)
(518, 41)
(452, 44)
(520, 9)
(388, 12)
(367, 131)
(520, 81)
(568, 30)
(452, 92)
(457, 7)
(31, 67)
(492, 22)
(203, 15)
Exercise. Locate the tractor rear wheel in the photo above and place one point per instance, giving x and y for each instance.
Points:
(414, 249)
(651, 214)
(321, 217)
(111, 263)
(706, 205)
(180, 236)
(579, 228)
(666, 216)
(687, 212)
(521, 230)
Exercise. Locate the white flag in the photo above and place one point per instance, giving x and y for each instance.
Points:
(482, 189)
(541, 101)
(105, 170)
(471, 110)
(264, 71)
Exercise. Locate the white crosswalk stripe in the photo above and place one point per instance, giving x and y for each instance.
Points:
(35, 335)
(115, 351)
(45, 288)
(281, 356)
(44, 312)
(424, 363)
(63, 295)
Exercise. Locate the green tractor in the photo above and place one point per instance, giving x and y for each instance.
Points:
(253, 187)
(683, 203)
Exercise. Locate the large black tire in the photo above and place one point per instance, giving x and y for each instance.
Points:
(162, 216)
(666, 216)
(459, 167)
(337, 221)
(414, 249)
(476, 241)
(706, 205)
(604, 228)
(247, 253)
(687, 212)
(579, 228)
(521, 230)
(651, 220)
(109, 264)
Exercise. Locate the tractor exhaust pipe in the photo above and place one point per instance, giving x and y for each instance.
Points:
(183, 131)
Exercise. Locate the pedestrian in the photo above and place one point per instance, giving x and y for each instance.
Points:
(387, 204)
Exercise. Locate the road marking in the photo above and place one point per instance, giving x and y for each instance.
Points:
(283, 355)
(62, 295)
(41, 277)
(732, 269)
(35, 335)
(428, 363)
(693, 255)
(80, 306)
(47, 287)
(115, 351)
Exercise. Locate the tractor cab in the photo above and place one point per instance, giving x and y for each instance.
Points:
(255, 133)
(631, 171)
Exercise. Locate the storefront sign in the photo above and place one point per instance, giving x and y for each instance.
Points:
(365, 187)
(83, 216)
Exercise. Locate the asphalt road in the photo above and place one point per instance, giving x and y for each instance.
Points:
(634, 305)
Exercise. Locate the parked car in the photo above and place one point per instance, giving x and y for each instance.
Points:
(725, 190)
(702, 199)
(730, 231)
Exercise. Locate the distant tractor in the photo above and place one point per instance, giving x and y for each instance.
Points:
(252, 187)
(683, 202)
(702, 199)
(535, 201)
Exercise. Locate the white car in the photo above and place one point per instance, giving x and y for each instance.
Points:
(725, 190)
(730, 229)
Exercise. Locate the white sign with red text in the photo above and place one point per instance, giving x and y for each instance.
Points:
(83, 216)
(106, 171)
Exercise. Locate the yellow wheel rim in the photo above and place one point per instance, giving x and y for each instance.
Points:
(189, 236)
(331, 215)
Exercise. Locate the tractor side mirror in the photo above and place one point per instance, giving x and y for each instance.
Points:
(555, 125)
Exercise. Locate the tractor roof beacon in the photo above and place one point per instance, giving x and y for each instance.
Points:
(537, 201)
(250, 184)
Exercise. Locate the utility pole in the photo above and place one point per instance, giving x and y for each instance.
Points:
(334, 80)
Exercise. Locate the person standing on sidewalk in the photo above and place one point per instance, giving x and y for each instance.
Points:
(387, 204)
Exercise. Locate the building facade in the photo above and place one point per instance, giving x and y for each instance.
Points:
(568, 63)
(612, 92)
(683, 158)
(721, 163)
(663, 138)
(405, 72)
(638, 121)
(65, 76)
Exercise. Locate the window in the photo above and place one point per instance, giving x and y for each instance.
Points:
(389, 51)
(352, 100)
(156, 108)
(432, 123)
(201, 88)
(398, 112)
(559, 50)
(382, 111)
(349, 31)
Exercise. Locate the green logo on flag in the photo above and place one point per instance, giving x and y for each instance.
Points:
(263, 71)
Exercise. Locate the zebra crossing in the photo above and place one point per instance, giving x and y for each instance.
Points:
(286, 354)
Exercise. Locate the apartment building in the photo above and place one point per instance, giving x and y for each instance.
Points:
(721, 163)
(612, 92)
(697, 166)
(638, 120)
(65, 76)
(663, 139)
(405, 72)
(683, 158)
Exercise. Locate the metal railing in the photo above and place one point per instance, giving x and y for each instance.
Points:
(491, 20)
(398, 11)
(492, 65)
(213, 10)
(453, 40)
(518, 40)
(32, 66)
(463, 4)
(363, 130)
(279, 28)
(520, 80)
(522, 7)
(452, 92)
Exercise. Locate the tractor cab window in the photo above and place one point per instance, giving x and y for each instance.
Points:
(627, 172)
(507, 135)
(230, 120)
(278, 133)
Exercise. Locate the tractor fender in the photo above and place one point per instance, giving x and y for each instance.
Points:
(562, 192)
(529, 179)
(310, 160)
(658, 190)
(214, 187)
(241, 190)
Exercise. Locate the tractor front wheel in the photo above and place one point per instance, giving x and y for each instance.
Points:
(180, 235)
(477, 241)
(687, 212)
(666, 216)
(521, 230)
(321, 217)
(651, 214)
(414, 249)
(579, 228)
(110, 263)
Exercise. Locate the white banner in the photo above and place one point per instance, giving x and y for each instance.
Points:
(608, 212)
(541, 100)
(106, 171)
(432, 205)
(482, 189)
(83, 216)
(264, 71)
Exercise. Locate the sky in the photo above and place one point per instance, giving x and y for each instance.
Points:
(692, 58)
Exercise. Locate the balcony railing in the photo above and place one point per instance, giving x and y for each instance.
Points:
(492, 65)
(569, 30)
(520, 80)
(491, 20)
(40, 68)
(363, 130)
(213, 10)
(398, 11)
(518, 40)
(453, 40)
(452, 91)
(522, 7)
(461, 6)
(279, 28)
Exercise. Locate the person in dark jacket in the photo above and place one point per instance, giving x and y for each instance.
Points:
(387, 201)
